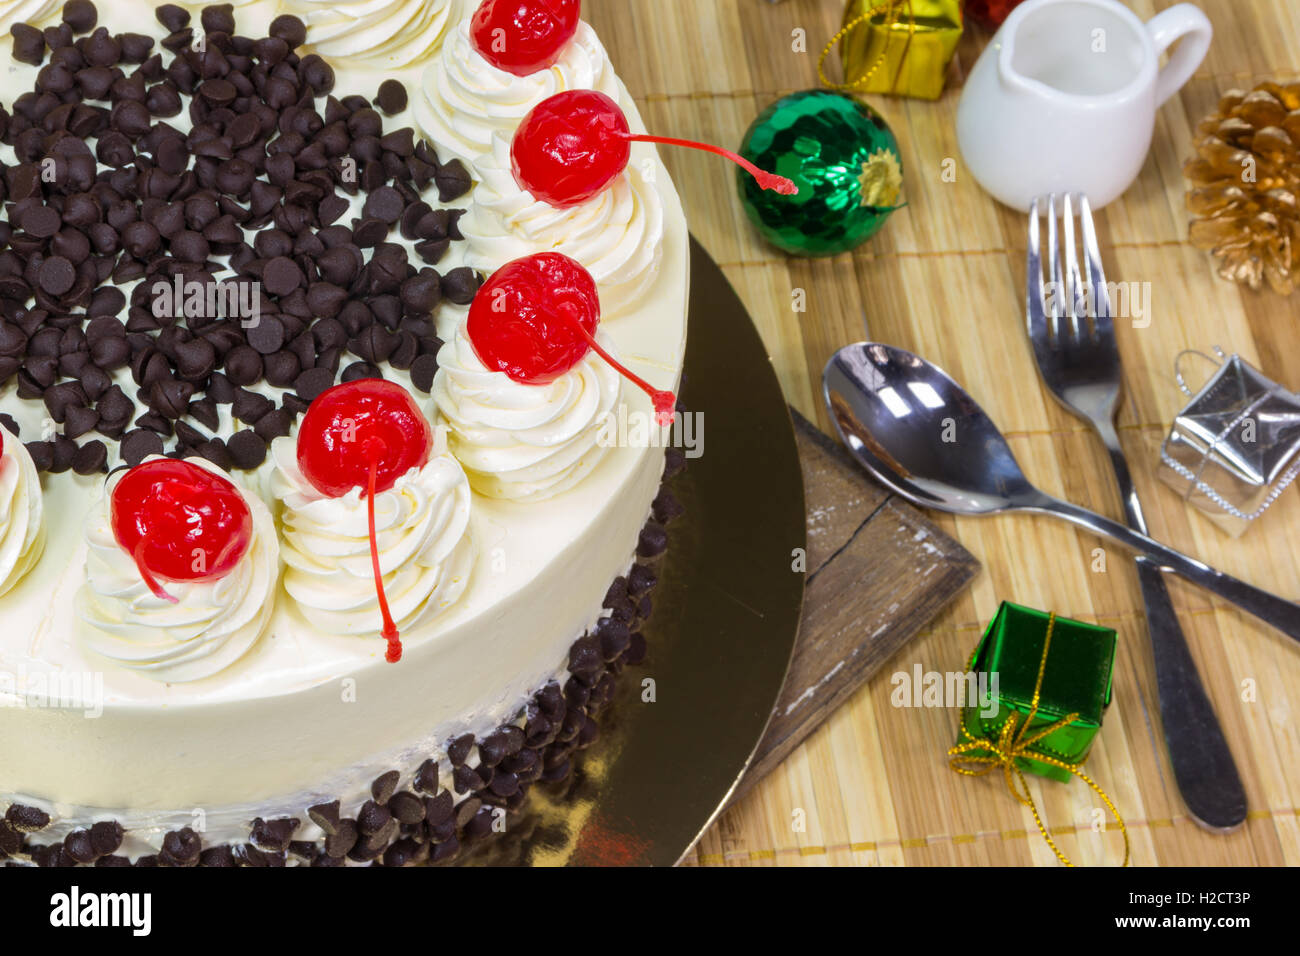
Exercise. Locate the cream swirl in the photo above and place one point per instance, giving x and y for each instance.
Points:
(523, 442)
(209, 627)
(466, 99)
(22, 524)
(617, 235)
(25, 11)
(421, 528)
(384, 34)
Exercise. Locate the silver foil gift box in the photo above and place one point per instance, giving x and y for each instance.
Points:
(1236, 445)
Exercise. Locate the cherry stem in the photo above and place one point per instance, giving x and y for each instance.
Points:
(390, 634)
(150, 581)
(766, 180)
(664, 402)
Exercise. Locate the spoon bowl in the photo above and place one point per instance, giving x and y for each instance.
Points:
(921, 435)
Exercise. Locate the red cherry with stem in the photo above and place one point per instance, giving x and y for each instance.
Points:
(179, 522)
(572, 145)
(536, 318)
(364, 434)
(523, 36)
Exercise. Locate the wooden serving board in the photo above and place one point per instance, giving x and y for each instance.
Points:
(878, 571)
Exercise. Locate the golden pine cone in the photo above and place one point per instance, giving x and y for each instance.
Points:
(1245, 180)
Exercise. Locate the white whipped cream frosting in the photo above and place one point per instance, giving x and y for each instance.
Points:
(523, 442)
(618, 235)
(22, 518)
(465, 100)
(421, 527)
(25, 11)
(211, 625)
(375, 33)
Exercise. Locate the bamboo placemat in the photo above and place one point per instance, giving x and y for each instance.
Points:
(944, 278)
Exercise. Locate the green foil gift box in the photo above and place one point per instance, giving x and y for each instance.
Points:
(1049, 681)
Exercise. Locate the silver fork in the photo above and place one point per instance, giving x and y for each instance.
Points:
(1073, 335)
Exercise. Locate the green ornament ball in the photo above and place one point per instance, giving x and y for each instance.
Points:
(841, 155)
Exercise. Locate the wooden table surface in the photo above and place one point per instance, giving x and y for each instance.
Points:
(944, 279)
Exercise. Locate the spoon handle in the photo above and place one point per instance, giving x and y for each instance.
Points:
(1282, 614)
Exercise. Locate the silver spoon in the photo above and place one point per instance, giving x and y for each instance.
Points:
(923, 436)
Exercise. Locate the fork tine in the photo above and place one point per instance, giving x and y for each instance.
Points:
(1034, 315)
(1055, 283)
(1102, 318)
(1078, 325)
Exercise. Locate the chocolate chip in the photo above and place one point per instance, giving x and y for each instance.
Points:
(188, 436)
(247, 450)
(438, 809)
(56, 275)
(79, 420)
(312, 382)
(289, 29)
(77, 845)
(391, 97)
(218, 856)
(325, 816)
(459, 285)
(666, 507)
(372, 818)
(406, 807)
(42, 221)
(423, 370)
(421, 292)
(244, 364)
(218, 18)
(42, 453)
(26, 819)
(267, 336)
(139, 444)
(453, 181)
(273, 835)
(249, 406)
(29, 44)
(81, 16)
(205, 412)
(172, 17)
(340, 842)
(385, 203)
(653, 541)
(281, 275)
(274, 424)
(360, 370)
(215, 451)
(281, 368)
(382, 788)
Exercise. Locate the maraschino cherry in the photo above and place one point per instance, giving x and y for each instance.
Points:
(536, 318)
(573, 144)
(523, 36)
(364, 434)
(179, 522)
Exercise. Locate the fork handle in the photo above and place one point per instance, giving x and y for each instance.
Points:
(1206, 774)
(1282, 614)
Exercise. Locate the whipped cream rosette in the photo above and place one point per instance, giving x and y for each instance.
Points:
(425, 553)
(378, 34)
(181, 630)
(519, 441)
(617, 235)
(22, 524)
(466, 100)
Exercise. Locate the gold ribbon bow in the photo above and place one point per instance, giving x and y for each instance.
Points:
(889, 8)
(1014, 741)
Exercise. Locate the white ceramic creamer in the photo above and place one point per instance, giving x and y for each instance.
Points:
(1064, 97)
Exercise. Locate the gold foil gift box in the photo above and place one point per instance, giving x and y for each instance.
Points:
(899, 47)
